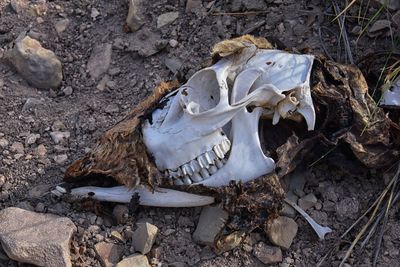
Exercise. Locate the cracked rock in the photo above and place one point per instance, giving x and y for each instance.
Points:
(40, 239)
(144, 237)
(212, 220)
(282, 231)
(39, 66)
(267, 254)
(109, 253)
(136, 260)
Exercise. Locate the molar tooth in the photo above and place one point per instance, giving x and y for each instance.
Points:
(202, 161)
(225, 145)
(196, 177)
(195, 166)
(204, 173)
(186, 170)
(213, 169)
(218, 151)
(219, 163)
(178, 182)
(210, 156)
(186, 180)
(176, 173)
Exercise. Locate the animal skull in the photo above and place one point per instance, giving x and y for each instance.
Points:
(207, 130)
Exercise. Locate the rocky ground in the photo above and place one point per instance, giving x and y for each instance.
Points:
(107, 69)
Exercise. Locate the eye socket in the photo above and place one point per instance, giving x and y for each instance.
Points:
(202, 89)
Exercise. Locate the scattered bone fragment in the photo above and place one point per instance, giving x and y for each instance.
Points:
(308, 201)
(137, 260)
(391, 96)
(282, 231)
(212, 220)
(134, 20)
(166, 19)
(40, 67)
(267, 254)
(144, 237)
(99, 60)
(109, 253)
(40, 239)
(320, 230)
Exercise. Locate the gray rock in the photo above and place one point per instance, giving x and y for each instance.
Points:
(121, 213)
(109, 253)
(60, 159)
(167, 19)
(146, 43)
(18, 5)
(391, 4)
(144, 237)
(68, 91)
(193, 6)
(2, 180)
(379, 25)
(3, 142)
(212, 220)
(134, 20)
(18, 148)
(41, 151)
(61, 25)
(282, 231)
(100, 60)
(288, 211)
(267, 254)
(39, 190)
(40, 239)
(296, 183)
(58, 137)
(31, 139)
(136, 260)
(39, 67)
(173, 43)
(308, 201)
(173, 64)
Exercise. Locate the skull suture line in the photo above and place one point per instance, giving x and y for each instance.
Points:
(206, 133)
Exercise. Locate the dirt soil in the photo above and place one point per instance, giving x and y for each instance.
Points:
(86, 107)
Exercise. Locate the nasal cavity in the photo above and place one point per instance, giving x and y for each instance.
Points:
(202, 91)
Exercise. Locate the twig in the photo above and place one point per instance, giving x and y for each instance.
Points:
(253, 28)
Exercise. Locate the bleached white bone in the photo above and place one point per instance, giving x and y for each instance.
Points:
(160, 197)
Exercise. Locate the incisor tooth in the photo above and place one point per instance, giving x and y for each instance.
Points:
(186, 180)
(204, 173)
(196, 177)
(218, 151)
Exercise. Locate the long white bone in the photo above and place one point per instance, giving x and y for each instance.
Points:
(161, 197)
(320, 230)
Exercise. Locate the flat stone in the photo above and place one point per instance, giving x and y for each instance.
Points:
(40, 239)
(144, 237)
(288, 211)
(391, 4)
(296, 183)
(60, 159)
(31, 139)
(40, 67)
(100, 60)
(166, 19)
(212, 220)
(308, 201)
(134, 20)
(379, 25)
(109, 253)
(282, 231)
(3, 142)
(135, 260)
(61, 25)
(18, 148)
(193, 6)
(146, 43)
(18, 5)
(173, 64)
(267, 254)
(41, 151)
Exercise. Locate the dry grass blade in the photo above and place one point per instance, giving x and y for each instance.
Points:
(343, 31)
(344, 10)
(371, 219)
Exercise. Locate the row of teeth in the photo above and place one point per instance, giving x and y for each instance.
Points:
(202, 167)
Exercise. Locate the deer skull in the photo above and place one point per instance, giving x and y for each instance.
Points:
(207, 130)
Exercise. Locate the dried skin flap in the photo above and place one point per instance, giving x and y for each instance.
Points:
(120, 152)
